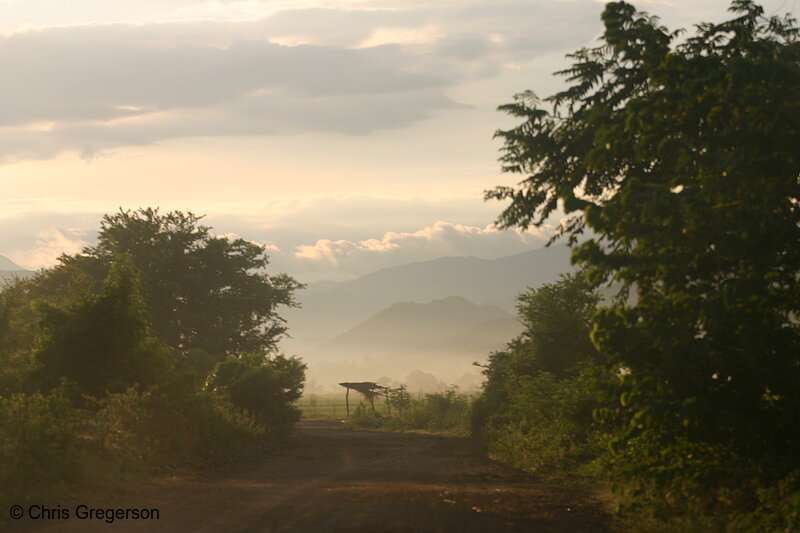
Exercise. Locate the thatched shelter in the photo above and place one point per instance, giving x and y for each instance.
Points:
(369, 389)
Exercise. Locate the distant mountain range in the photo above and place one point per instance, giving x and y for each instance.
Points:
(330, 308)
(8, 264)
(435, 316)
(443, 337)
(9, 269)
(412, 328)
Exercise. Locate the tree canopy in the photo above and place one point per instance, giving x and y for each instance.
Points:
(557, 319)
(265, 387)
(202, 292)
(101, 343)
(681, 157)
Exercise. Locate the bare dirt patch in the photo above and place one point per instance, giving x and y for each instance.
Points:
(331, 479)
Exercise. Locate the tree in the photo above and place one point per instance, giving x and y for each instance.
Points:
(557, 319)
(102, 343)
(203, 293)
(681, 156)
(266, 387)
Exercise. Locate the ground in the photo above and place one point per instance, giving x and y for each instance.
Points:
(328, 478)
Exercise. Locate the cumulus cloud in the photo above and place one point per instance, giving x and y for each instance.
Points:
(312, 239)
(49, 245)
(344, 67)
(440, 239)
(268, 246)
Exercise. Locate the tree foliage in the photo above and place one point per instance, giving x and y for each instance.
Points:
(557, 318)
(104, 358)
(681, 156)
(102, 343)
(551, 356)
(266, 387)
(202, 292)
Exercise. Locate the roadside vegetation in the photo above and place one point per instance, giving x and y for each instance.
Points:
(155, 348)
(675, 158)
(441, 412)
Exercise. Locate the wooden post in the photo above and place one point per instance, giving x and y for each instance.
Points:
(347, 401)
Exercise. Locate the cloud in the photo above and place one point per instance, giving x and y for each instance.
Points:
(310, 238)
(365, 66)
(49, 245)
(440, 239)
(268, 246)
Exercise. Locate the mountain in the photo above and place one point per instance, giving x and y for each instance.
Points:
(9, 270)
(443, 336)
(8, 264)
(330, 308)
(477, 341)
(409, 326)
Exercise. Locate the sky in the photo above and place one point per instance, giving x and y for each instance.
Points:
(345, 135)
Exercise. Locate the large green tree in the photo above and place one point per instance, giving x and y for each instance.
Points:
(101, 343)
(536, 407)
(557, 318)
(202, 292)
(682, 156)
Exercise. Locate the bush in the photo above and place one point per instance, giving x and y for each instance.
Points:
(98, 379)
(264, 387)
(164, 425)
(39, 439)
(100, 342)
(447, 412)
(699, 487)
(546, 426)
(365, 418)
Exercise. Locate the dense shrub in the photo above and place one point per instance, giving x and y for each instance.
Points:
(102, 343)
(536, 408)
(446, 412)
(265, 387)
(104, 358)
(159, 425)
(546, 426)
(39, 441)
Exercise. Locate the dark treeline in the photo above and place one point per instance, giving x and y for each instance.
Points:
(156, 346)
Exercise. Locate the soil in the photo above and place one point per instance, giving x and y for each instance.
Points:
(331, 479)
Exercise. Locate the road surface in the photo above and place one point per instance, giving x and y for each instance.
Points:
(330, 479)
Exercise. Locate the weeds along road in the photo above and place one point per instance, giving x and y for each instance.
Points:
(331, 479)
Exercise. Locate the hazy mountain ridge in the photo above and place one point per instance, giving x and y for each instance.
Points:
(409, 326)
(10, 270)
(8, 264)
(330, 308)
(443, 337)
(481, 338)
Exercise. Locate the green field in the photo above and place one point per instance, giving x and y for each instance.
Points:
(332, 406)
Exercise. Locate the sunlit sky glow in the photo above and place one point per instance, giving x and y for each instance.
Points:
(349, 135)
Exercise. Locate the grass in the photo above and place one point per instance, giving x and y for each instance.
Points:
(333, 406)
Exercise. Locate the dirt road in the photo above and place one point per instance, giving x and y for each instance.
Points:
(330, 479)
